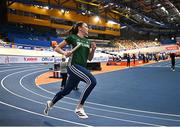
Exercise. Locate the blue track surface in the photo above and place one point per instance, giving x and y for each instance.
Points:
(140, 96)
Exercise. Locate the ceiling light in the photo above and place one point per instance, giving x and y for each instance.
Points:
(158, 5)
(111, 22)
(46, 7)
(96, 19)
(62, 11)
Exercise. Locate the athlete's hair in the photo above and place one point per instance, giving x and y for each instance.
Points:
(73, 29)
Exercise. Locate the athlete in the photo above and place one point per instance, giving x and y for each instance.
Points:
(76, 69)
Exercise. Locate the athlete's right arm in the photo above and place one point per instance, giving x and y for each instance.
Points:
(59, 49)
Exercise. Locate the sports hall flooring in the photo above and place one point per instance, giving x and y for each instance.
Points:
(141, 96)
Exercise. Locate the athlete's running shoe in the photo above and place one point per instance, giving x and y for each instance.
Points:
(47, 108)
(81, 114)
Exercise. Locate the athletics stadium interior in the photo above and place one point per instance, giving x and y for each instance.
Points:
(144, 31)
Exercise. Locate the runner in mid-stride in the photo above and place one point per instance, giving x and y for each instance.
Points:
(76, 69)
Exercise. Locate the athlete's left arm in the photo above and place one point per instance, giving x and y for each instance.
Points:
(92, 50)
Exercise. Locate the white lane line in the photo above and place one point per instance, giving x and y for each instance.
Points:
(15, 69)
(35, 113)
(90, 107)
(153, 67)
(2, 84)
(131, 121)
(22, 67)
(108, 106)
(115, 107)
(159, 66)
(9, 66)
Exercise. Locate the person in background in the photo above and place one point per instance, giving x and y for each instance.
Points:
(128, 60)
(134, 59)
(173, 61)
(76, 69)
(63, 72)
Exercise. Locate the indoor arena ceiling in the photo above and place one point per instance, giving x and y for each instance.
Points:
(149, 13)
(146, 14)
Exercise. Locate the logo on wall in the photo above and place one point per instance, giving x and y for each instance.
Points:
(30, 59)
(47, 59)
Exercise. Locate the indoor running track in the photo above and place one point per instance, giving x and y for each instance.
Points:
(140, 96)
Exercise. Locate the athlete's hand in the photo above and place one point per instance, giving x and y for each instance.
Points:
(93, 46)
(67, 53)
